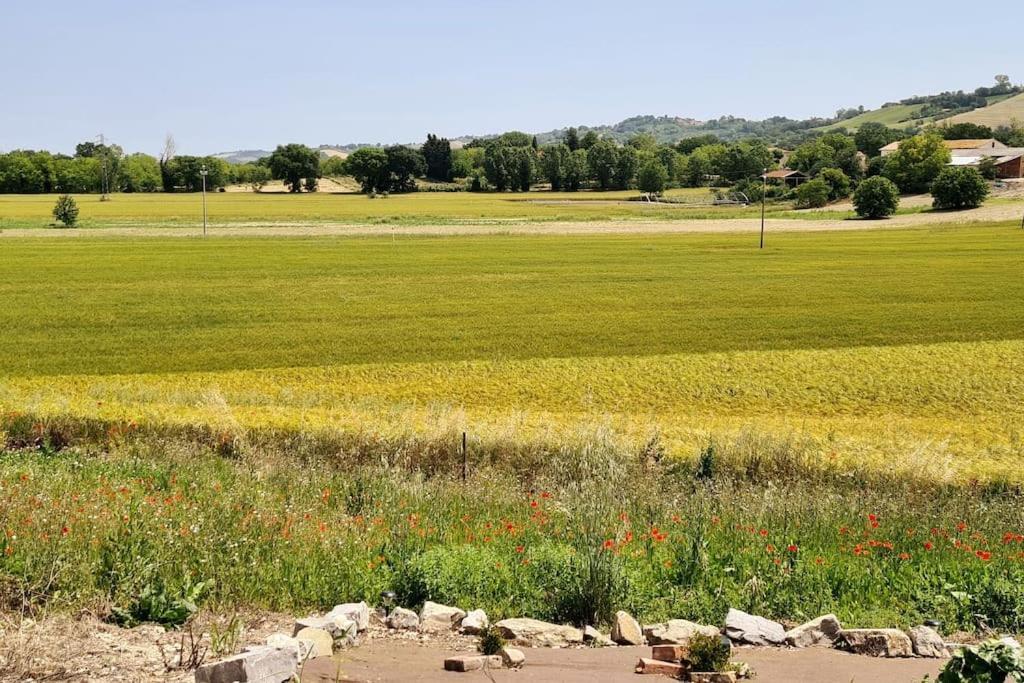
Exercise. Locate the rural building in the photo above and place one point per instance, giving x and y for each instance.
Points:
(1009, 160)
(785, 176)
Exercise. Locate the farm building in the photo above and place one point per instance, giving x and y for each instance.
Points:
(1009, 160)
(785, 176)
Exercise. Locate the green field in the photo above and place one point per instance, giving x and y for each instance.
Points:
(421, 208)
(884, 344)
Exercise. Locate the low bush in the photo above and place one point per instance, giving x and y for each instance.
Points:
(66, 210)
(959, 187)
(876, 197)
(813, 194)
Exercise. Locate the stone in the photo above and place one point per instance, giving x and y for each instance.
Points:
(676, 632)
(671, 653)
(626, 630)
(321, 644)
(535, 633)
(435, 618)
(282, 640)
(257, 665)
(512, 658)
(403, 619)
(343, 631)
(358, 612)
(472, 662)
(927, 642)
(653, 666)
(877, 642)
(713, 677)
(475, 622)
(594, 637)
(821, 631)
(747, 628)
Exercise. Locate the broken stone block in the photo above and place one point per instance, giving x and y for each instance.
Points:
(821, 631)
(927, 642)
(535, 633)
(321, 644)
(654, 666)
(472, 662)
(877, 642)
(475, 622)
(676, 632)
(435, 618)
(257, 665)
(358, 612)
(512, 658)
(403, 619)
(670, 653)
(752, 630)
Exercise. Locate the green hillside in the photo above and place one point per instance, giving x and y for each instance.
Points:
(1002, 113)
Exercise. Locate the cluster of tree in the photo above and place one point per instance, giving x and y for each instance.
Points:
(93, 168)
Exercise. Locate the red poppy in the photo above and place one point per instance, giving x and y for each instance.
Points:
(904, 556)
(520, 548)
(609, 544)
(984, 555)
(792, 548)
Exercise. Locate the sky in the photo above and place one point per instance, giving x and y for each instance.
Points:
(230, 75)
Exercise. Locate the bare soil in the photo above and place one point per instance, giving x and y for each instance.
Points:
(86, 649)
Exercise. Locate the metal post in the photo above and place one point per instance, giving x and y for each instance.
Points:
(203, 172)
(764, 193)
(465, 459)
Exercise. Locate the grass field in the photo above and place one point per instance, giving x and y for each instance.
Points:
(1002, 113)
(421, 208)
(901, 348)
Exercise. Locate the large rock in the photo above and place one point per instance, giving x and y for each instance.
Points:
(596, 638)
(281, 641)
(877, 642)
(320, 642)
(534, 633)
(257, 665)
(747, 628)
(435, 618)
(403, 619)
(464, 663)
(821, 631)
(358, 612)
(343, 630)
(512, 658)
(475, 622)
(927, 642)
(676, 632)
(626, 630)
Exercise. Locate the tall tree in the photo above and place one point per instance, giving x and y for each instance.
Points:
(437, 153)
(873, 136)
(404, 166)
(294, 163)
(917, 162)
(369, 166)
(572, 139)
(602, 157)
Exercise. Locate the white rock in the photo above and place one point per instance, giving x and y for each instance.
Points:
(626, 630)
(319, 642)
(475, 622)
(435, 618)
(358, 612)
(403, 619)
(258, 665)
(342, 630)
(283, 640)
(821, 631)
(676, 632)
(877, 642)
(927, 642)
(595, 637)
(535, 633)
(512, 658)
(752, 630)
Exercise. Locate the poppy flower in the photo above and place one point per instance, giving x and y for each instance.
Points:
(792, 548)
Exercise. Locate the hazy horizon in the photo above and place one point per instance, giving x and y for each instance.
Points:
(253, 75)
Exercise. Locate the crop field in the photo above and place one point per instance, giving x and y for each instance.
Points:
(421, 208)
(901, 350)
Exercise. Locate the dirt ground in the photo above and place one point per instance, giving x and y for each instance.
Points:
(85, 650)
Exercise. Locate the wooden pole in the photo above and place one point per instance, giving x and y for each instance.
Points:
(465, 459)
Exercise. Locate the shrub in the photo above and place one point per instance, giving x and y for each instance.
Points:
(876, 197)
(812, 194)
(838, 183)
(709, 653)
(66, 210)
(959, 188)
(490, 641)
(993, 660)
(653, 177)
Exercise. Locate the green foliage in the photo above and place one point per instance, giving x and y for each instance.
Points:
(159, 605)
(140, 173)
(688, 145)
(509, 167)
(553, 164)
(813, 194)
(66, 210)
(966, 131)
(627, 162)
(603, 158)
(653, 177)
(185, 173)
(917, 163)
(294, 163)
(572, 139)
(709, 653)
(404, 166)
(490, 640)
(988, 662)
(437, 157)
(369, 166)
(876, 197)
(745, 159)
(589, 139)
(873, 136)
(959, 187)
(834, 150)
(334, 167)
(838, 183)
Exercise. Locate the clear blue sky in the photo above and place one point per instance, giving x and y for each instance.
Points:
(224, 75)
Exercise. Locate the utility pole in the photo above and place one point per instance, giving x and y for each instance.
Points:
(203, 172)
(104, 181)
(764, 194)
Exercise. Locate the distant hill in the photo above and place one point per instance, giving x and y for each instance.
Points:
(980, 106)
(1002, 113)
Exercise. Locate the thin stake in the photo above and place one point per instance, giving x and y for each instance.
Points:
(465, 459)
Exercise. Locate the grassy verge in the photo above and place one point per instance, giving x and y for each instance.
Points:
(569, 538)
